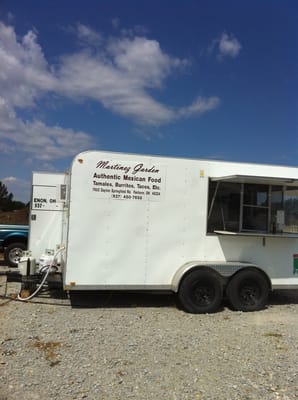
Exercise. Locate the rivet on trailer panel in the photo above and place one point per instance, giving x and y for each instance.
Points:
(80, 160)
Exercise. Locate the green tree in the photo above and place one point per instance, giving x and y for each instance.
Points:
(3, 191)
(7, 203)
(6, 198)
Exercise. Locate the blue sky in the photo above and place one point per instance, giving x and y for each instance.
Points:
(198, 79)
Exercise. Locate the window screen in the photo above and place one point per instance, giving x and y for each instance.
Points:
(247, 207)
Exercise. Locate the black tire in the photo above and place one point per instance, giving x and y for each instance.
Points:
(13, 252)
(248, 290)
(201, 291)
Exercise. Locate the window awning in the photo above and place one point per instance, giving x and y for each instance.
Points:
(262, 180)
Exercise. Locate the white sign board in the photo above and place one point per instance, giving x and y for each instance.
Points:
(127, 181)
(45, 198)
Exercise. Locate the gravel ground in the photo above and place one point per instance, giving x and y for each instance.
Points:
(144, 347)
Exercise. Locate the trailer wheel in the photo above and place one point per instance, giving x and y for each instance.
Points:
(13, 253)
(201, 291)
(248, 291)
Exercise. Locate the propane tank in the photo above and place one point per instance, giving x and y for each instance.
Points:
(46, 260)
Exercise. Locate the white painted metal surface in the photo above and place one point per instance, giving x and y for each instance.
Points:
(135, 220)
(46, 214)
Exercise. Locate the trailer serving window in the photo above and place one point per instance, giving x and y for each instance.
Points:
(253, 204)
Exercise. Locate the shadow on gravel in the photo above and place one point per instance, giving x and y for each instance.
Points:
(121, 300)
(141, 300)
(282, 297)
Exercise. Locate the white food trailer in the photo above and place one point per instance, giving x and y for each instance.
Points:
(202, 229)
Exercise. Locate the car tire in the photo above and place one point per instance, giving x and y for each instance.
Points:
(201, 291)
(248, 290)
(13, 253)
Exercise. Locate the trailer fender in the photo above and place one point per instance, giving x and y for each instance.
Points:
(182, 271)
(226, 269)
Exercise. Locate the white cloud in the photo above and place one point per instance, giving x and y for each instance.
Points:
(25, 76)
(87, 35)
(141, 60)
(37, 139)
(24, 73)
(200, 106)
(118, 73)
(119, 77)
(229, 45)
(119, 82)
(10, 179)
(226, 46)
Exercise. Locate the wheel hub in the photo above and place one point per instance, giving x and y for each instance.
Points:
(250, 294)
(203, 295)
